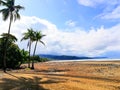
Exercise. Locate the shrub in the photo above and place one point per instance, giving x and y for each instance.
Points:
(37, 58)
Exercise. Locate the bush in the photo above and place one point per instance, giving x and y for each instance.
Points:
(13, 56)
(36, 58)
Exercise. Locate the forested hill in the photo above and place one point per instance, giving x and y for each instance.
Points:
(65, 57)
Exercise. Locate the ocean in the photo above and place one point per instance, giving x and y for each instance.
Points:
(76, 60)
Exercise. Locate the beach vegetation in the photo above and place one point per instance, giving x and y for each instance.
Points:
(29, 35)
(37, 38)
(13, 54)
(11, 12)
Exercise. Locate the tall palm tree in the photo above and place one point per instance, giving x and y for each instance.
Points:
(29, 35)
(37, 37)
(10, 11)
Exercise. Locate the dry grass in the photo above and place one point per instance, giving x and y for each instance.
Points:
(64, 76)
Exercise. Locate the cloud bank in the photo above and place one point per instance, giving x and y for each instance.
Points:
(94, 42)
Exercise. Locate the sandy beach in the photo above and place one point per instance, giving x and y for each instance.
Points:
(74, 75)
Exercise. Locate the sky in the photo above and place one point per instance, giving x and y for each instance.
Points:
(72, 27)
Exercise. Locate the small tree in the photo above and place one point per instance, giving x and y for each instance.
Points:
(25, 55)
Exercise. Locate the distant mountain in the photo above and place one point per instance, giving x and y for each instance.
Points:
(66, 57)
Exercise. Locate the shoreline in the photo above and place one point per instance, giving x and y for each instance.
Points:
(87, 60)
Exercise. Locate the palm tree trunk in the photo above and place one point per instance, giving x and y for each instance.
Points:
(29, 54)
(34, 55)
(6, 46)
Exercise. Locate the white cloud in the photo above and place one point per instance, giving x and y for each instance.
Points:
(85, 3)
(111, 8)
(115, 14)
(75, 42)
(93, 3)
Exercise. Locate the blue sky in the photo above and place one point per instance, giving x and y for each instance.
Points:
(84, 16)
(72, 27)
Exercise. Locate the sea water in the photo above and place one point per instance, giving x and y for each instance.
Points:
(85, 60)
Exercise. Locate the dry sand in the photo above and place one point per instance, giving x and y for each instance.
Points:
(83, 75)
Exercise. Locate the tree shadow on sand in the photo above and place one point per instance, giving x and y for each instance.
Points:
(22, 83)
(89, 77)
(116, 87)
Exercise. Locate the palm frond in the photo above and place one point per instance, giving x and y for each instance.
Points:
(10, 10)
(43, 35)
(24, 38)
(16, 16)
(3, 3)
(10, 37)
(18, 7)
(10, 2)
(5, 13)
(42, 42)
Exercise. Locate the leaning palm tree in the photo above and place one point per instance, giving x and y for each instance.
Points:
(10, 11)
(38, 36)
(29, 35)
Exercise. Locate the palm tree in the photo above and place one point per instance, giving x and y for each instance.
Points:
(10, 11)
(38, 36)
(29, 35)
(11, 41)
(13, 55)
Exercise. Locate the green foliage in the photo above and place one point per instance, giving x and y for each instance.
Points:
(32, 36)
(13, 53)
(12, 38)
(37, 37)
(36, 58)
(44, 59)
(25, 56)
(11, 10)
(14, 57)
(28, 36)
